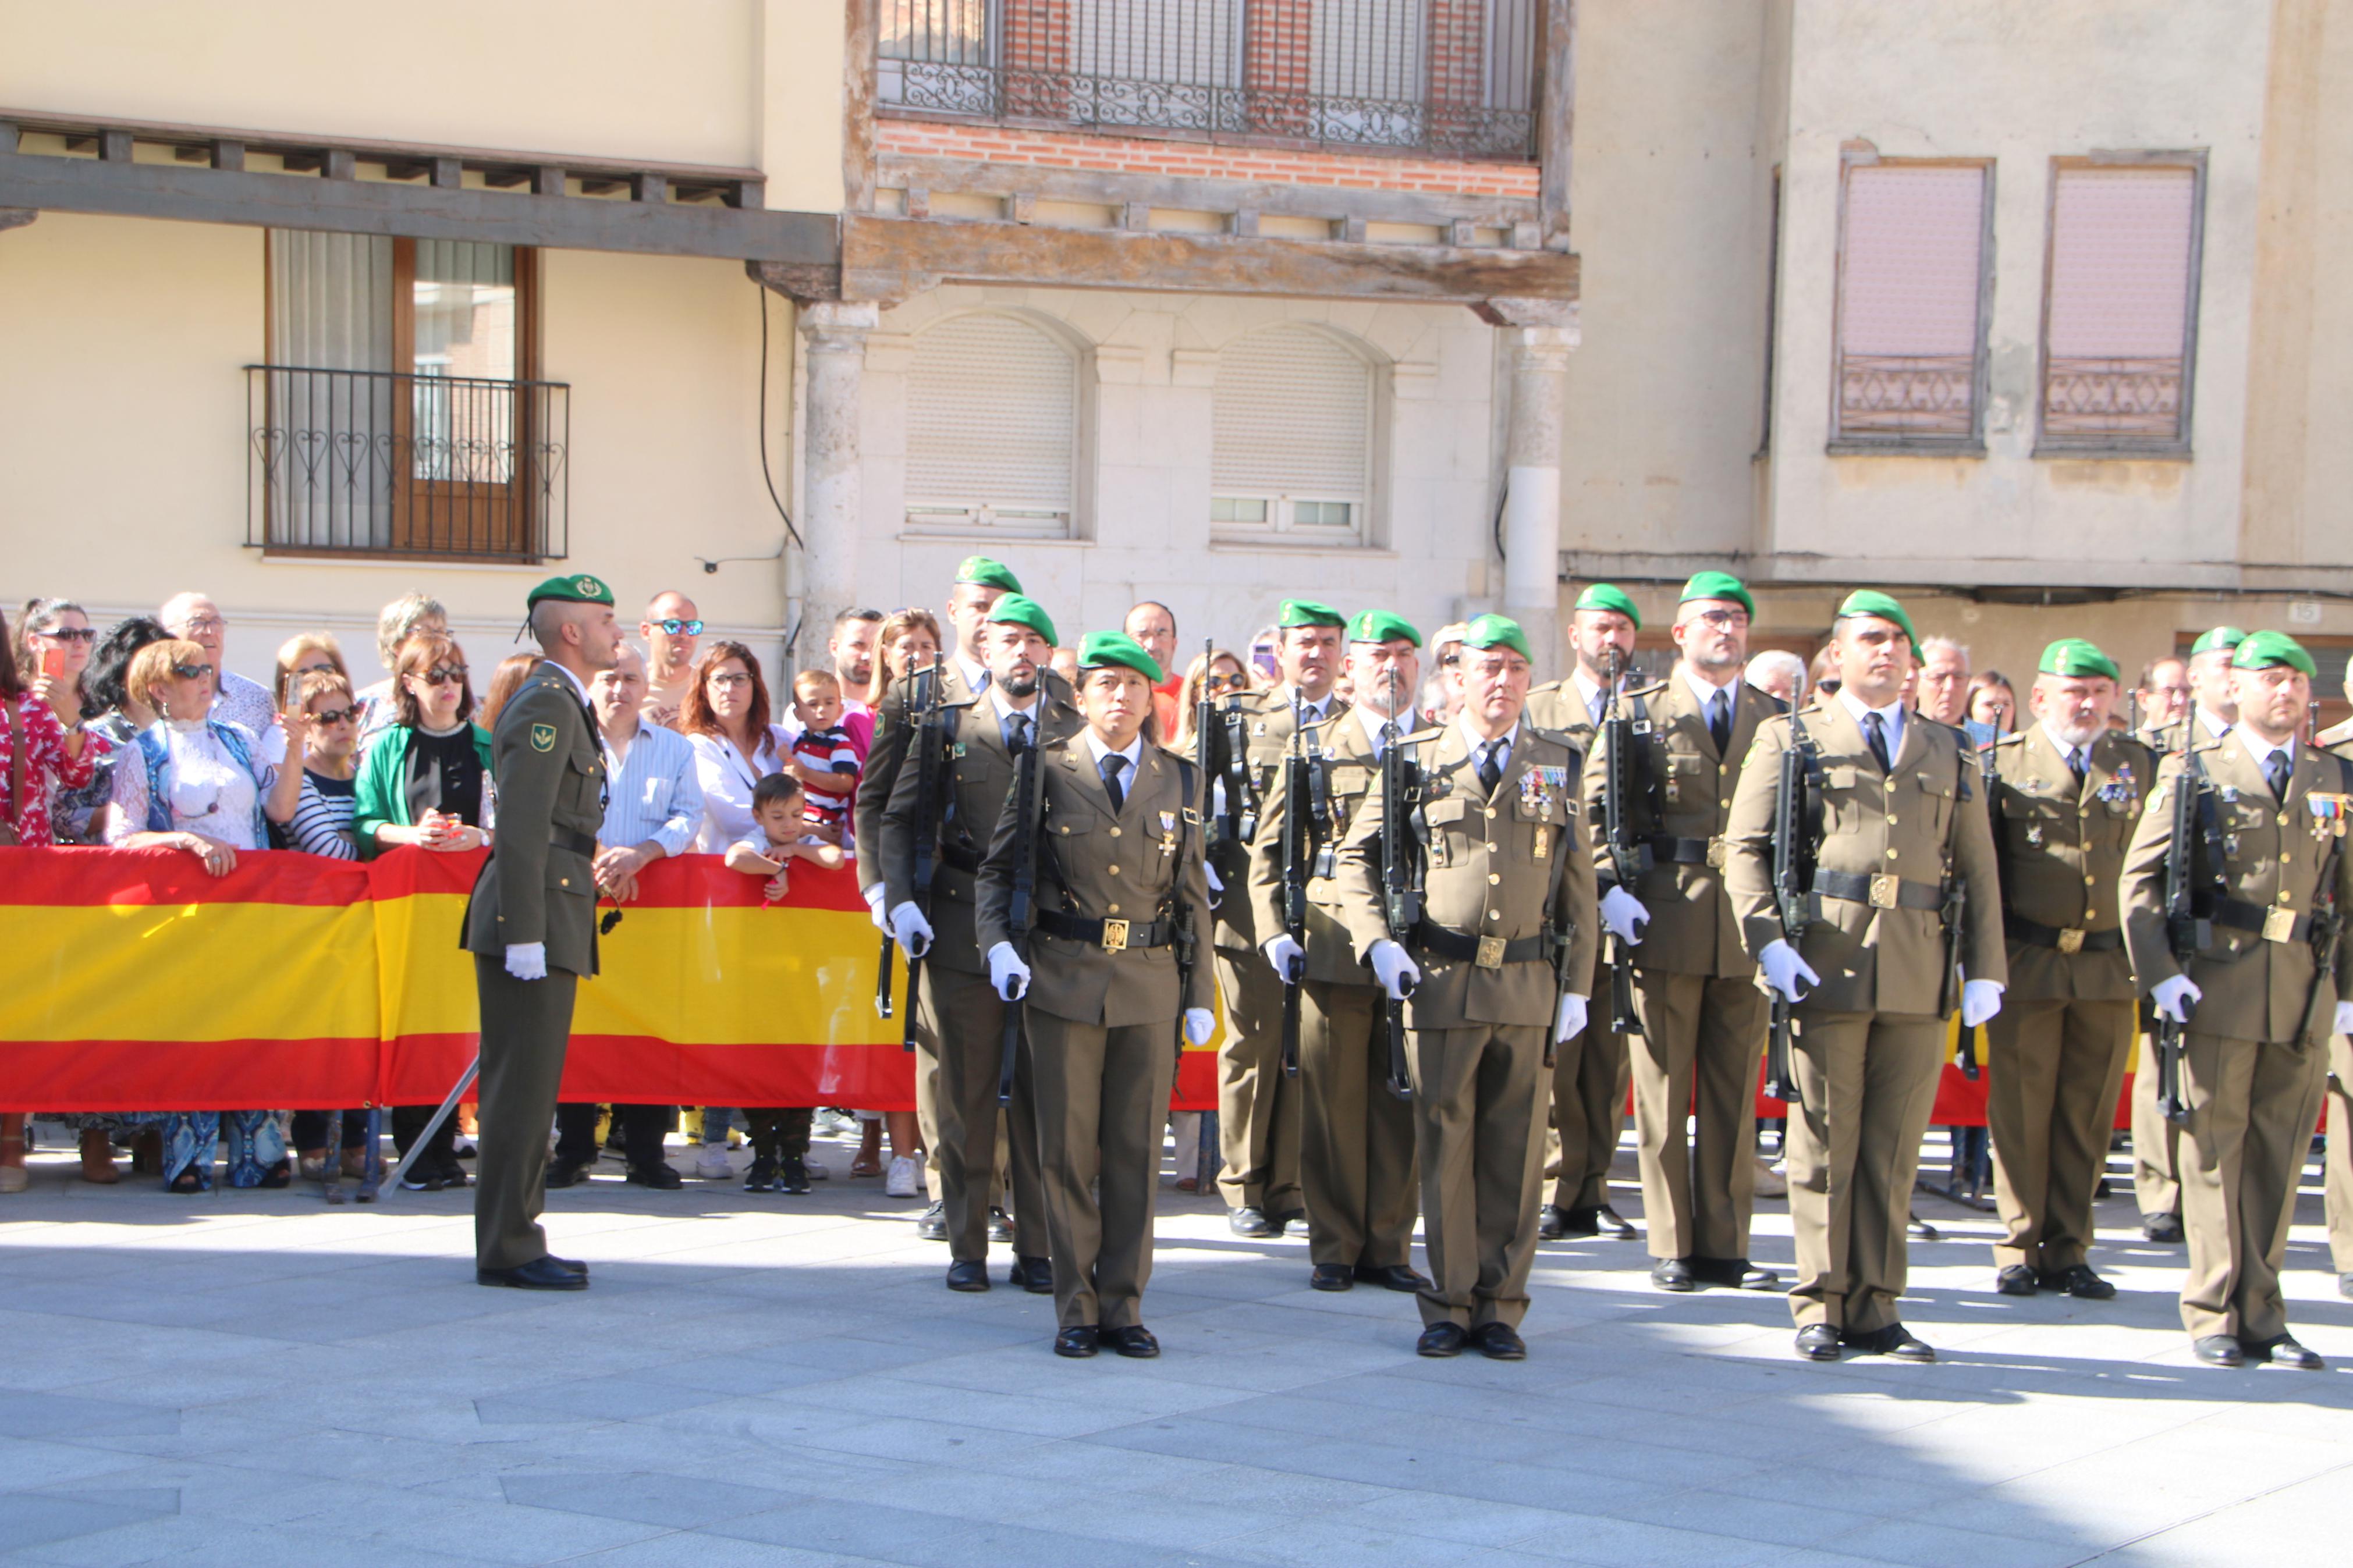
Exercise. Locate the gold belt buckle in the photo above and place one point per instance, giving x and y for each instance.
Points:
(2071, 939)
(1491, 952)
(1883, 886)
(1718, 853)
(1115, 938)
(2279, 925)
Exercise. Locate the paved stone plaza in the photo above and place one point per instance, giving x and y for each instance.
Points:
(253, 1378)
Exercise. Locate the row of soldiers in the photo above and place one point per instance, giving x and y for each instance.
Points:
(1407, 924)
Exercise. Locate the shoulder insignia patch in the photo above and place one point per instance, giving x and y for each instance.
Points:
(542, 737)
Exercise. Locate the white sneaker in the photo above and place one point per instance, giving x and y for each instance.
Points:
(711, 1165)
(904, 1179)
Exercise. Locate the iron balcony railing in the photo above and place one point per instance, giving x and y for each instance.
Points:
(366, 462)
(1453, 77)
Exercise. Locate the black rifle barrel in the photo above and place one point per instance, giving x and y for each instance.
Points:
(924, 713)
(1025, 881)
(1626, 865)
(1400, 873)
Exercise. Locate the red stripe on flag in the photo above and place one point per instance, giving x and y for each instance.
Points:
(95, 878)
(203, 1075)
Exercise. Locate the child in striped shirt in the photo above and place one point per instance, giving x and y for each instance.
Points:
(824, 746)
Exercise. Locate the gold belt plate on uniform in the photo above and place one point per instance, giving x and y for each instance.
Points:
(2071, 939)
(1718, 853)
(1883, 887)
(2279, 925)
(1114, 936)
(1491, 952)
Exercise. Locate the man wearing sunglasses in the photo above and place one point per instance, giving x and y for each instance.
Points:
(672, 628)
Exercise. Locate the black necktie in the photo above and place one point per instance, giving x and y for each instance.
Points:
(1112, 766)
(1390, 733)
(1874, 731)
(1017, 732)
(2076, 763)
(2275, 768)
(1719, 720)
(1491, 766)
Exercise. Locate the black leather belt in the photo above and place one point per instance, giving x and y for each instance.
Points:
(1486, 952)
(1112, 936)
(578, 843)
(2066, 939)
(1881, 890)
(2270, 923)
(1687, 851)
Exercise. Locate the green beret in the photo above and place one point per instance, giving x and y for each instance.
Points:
(1716, 585)
(981, 572)
(1099, 650)
(1609, 596)
(1882, 607)
(1020, 610)
(1308, 613)
(2222, 639)
(1382, 626)
(2076, 657)
(2261, 650)
(579, 589)
(1499, 631)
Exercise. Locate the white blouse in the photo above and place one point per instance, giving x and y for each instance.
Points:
(727, 783)
(210, 791)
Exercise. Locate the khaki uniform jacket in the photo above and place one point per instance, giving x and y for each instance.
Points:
(1559, 706)
(1691, 929)
(1350, 770)
(1508, 865)
(549, 773)
(1911, 822)
(2060, 847)
(1267, 722)
(1096, 863)
(2274, 854)
(973, 776)
(892, 733)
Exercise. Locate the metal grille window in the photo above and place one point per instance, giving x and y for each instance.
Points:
(1910, 303)
(992, 429)
(1291, 440)
(2121, 291)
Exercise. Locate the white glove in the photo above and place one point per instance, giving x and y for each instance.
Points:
(1281, 951)
(527, 960)
(2344, 1019)
(1396, 972)
(2172, 994)
(910, 929)
(1623, 913)
(874, 897)
(1571, 1022)
(1198, 1022)
(1980, 1000)
(1008, 975)
(1217, 884)
(1784, 967)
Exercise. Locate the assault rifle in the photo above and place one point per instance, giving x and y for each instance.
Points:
(1795, 794)
(1300, 771)
(1403, 834)
(1968, 1053)
(1618, 841)
(924, 715)
(1026, 793)
(1186, 940)
(2186, 932)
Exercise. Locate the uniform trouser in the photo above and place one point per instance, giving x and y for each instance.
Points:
(526, 1024)
(2251, 1109)
(1590, 1075)
(2053, 1070)
(1869, 1081)
(2338, 1188)
(642, 1127)
(2157, 1142)
(1102, 1102)
(1257, 1107)
(1696, 1057)
(1477, 1122)
(961, 1023)
(927, 1088)
(1356, 1138)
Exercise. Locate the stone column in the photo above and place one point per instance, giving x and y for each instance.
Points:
(1539, 356)
(832, 521)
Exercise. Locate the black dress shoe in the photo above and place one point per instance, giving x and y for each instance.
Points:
(1552, 1223)
(1035, 1275)
(2283, 1351)
(792, 1174)
(2078, 1280)
(1391, 1276)
(2165, 1229)
(1251, 1222)
(539, 1274)
(1578, 1222)
(569, 1265)
(1441, 1339)
(1499, 1341)
(661, 1178)
(2016, 1279)
(1673, 1274)
(1077, 1340)
(933, 1225)
(1894, 1340)
(569, 1173)
(1751, 1277)
(1607, 1223)
(1331, 1277)
(1000, 1229)
(964, 1276)
(1133, 1341)
(1919, 1229)
(1818, 1341)
(1293, 1224)
(2218, 1350)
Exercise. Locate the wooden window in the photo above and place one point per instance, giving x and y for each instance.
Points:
(992, 429)
(1291, 440)
(1912, 286)
(2119, 312)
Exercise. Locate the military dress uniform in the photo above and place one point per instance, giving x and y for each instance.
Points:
(2254, 1053)
(1508, 871)
(538, 886)
(2055, 1054)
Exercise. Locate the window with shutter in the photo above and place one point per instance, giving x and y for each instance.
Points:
(1291, 440)
(992, 429)
(2121, 275)
(1911, 288)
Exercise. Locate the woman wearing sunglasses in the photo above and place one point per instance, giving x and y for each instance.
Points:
(1223, 674)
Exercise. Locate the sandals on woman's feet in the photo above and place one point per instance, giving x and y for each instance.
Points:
(282, 1175)
(98, 1158)
(190, 1180)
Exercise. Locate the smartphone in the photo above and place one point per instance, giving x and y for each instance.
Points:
(53, 663)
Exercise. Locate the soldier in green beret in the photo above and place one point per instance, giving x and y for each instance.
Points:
(2260, 1001)
(531, 924)
(2065, 795)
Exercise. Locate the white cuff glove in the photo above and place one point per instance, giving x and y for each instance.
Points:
(527, 960)
(874, 897)
(1571, 1022)
(1980, 1000)
(1198, 1022)
(2173, 995)
(1217, 884)
(1008, 975)
(1396, 972)
(910, 929)
(1282, 953)
(2344, 1019)
(1623, 913)
(1784, 967)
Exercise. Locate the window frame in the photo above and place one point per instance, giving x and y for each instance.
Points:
(983, 520)
(1282, 528)
(2107, 444)
(1843, 442)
